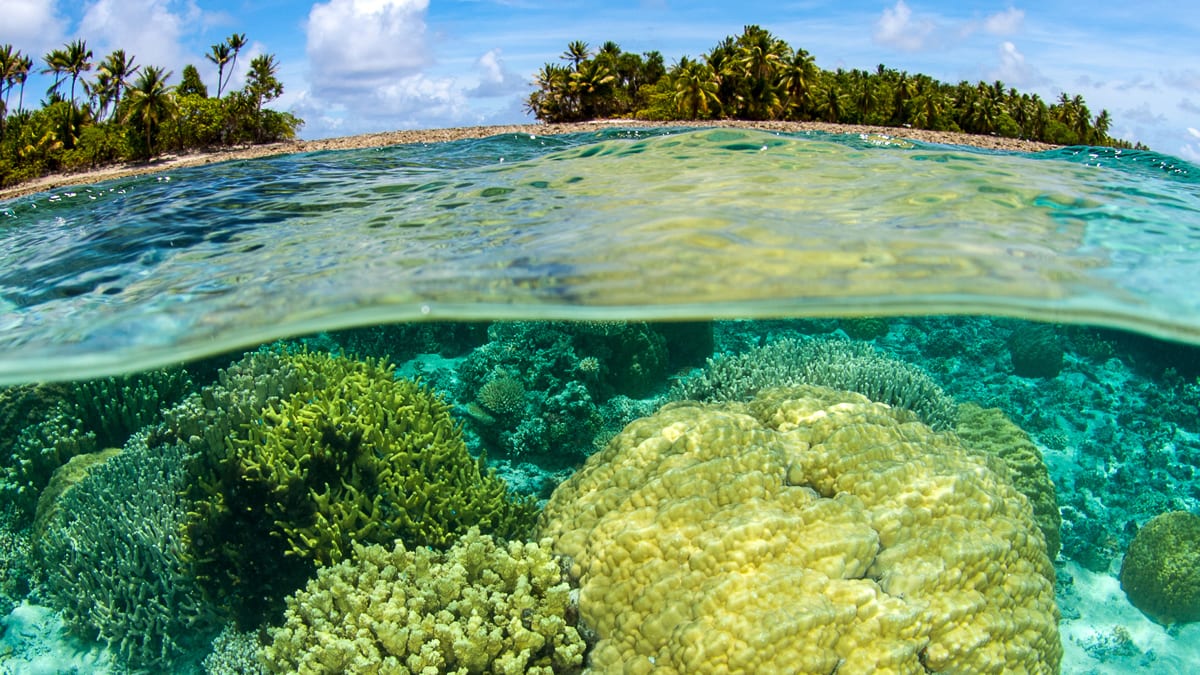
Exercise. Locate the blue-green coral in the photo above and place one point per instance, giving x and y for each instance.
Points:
(114, 559)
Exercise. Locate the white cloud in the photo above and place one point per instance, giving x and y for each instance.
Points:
(354, 44)
(495, 79)
(1188, 80)
(1190, 150)
(1014, 70)
(897, 28)
(32, 26)
(1188, 106)
(1007, 22)
(149, 30)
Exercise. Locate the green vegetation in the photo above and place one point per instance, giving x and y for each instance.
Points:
(128, 111)
(757, 76)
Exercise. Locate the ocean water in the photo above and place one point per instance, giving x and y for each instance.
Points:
(552, 290)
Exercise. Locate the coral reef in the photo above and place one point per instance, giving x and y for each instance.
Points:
(352, 454)
(479, 607)
(1161, 570)
(112, 556)
(989, 430)
(1036, 351)
(838, 364)
(567, 372)
(806, 531)
(50, 424)
(234, 652)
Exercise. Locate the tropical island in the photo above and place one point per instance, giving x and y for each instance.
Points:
(128, 119)
(129, 111)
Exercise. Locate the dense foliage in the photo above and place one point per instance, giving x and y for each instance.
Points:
(129, 112)
(757, 76)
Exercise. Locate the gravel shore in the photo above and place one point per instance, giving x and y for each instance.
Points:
(167, 162)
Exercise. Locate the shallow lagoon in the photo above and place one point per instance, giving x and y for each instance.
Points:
(752, 238)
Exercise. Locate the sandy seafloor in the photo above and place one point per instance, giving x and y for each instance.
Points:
(1101, 632)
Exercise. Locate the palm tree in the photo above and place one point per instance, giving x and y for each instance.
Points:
(798, 79)
(577, 52)
(219, 56)
(119, 69)
(761, 57)
(695, 89)
(56, 64)
(1100, 128)
(236, 42)
(831, 104)
(22, 73)
(592, 83)
(151, 102)
(77, 62)
(8, 66)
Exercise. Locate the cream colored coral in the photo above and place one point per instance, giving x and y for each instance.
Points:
(805, 532)
(479, 607)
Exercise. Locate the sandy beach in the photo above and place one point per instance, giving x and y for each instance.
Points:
(168, 162)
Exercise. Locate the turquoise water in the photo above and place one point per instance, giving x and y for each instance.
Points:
(717, 223)
(552, 290)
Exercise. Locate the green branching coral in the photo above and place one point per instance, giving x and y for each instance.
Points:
(50, 424)
(113, 557)
(352, 455)
(1161, 571)
(838, 364)
(479, 607)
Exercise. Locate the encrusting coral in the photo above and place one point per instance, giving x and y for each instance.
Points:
(352, 455)
(1161, 570)
(806, 531)
(479, 607)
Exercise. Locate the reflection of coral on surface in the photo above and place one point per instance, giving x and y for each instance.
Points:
(807, 531)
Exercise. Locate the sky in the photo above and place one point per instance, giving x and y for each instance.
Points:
(357, 66)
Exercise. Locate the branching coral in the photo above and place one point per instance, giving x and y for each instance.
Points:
(808, 531)
(113, 556)
(479, 607)
(351, 455)
(838, 364)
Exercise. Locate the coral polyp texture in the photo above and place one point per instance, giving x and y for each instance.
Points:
(806, 531)
(480, 607)
(1161, 570)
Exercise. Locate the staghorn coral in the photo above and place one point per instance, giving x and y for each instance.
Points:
(1161, 570)
(50, 424)
(479, 607)
(113, 557)
(807, 531)
(838, 364)
(989, 430)
(353, 455)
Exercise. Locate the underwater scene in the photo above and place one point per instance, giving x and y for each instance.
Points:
(634, 401)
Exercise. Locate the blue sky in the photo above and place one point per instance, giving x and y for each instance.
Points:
(354, 66)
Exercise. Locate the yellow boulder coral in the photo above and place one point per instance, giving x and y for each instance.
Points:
(807, 531)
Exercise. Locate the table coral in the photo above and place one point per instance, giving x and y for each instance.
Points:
(479, 607)
(807, 531)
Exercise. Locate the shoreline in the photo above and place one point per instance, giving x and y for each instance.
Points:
(384, 139)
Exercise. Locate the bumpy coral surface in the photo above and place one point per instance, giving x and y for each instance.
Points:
(989, 430)
(808, 531)
(1161, 571)
(480, 607)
